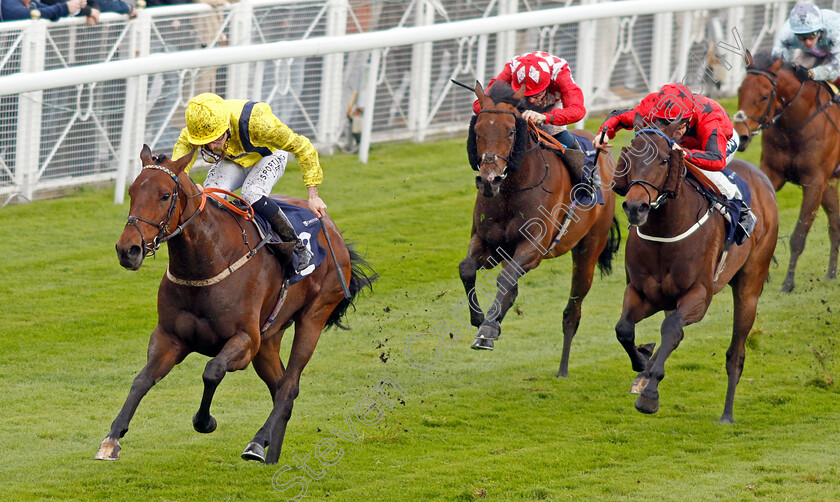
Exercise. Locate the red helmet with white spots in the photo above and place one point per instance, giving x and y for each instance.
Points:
(674, 102)
(531, 70)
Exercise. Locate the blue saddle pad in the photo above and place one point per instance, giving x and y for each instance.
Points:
(584, 197)
(733, 207)
(307, 226)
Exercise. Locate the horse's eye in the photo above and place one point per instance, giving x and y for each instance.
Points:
(512, 132)
(166, 197)
(765, 97)
(663, 162)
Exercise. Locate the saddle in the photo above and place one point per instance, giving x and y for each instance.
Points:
(549, 142)
(731, 207)
(306, 225)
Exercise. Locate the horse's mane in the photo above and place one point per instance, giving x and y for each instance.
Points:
(502, 92)
(764, 59)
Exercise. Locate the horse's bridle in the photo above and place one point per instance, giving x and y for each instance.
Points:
(149, 248)
(663, 195)
(765, 119)
(490, 158)
(741, 116)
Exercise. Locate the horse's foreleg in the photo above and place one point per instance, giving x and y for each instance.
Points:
(507, 289)
(270, 369)
(307, 332)
(634, 309)
(831, 206)
(690, 309)
(467, 270)
(163, 354)
(812, 194)
(235, 355)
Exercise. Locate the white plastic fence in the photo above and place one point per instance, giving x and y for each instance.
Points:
(77, 102)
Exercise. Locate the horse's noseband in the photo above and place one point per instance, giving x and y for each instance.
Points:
(491, 158)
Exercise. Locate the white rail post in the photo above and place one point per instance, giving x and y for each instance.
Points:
(663, 35)
(584, 74)
(421, 76)
(134, 119)
(368, 103)
(238, 75)
(332, 72)
(30, 106)
(735, 24)
(506, 40)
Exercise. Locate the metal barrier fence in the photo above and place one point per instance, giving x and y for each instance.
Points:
(54, 135)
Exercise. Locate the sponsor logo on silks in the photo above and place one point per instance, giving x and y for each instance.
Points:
(310, 221)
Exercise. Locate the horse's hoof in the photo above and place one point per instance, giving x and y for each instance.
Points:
(205, 428)
(647, 405)
(489, 331)
(830, 276)
(254, 451)
(787, 287)
(482, 344)
(639, 383)
(562, 373)
(727, 419)
(108, 450)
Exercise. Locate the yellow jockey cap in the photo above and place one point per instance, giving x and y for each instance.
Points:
(207, 118)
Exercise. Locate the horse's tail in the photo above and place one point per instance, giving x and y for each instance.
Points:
(613, 244)
(361, 275)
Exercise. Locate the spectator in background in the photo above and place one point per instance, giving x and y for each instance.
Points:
(15, 10)
(95, 7)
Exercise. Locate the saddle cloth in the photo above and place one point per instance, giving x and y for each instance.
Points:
(306, 226)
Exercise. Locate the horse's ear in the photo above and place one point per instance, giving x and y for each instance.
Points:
(179, 165)
(670, 128)
(520, 94)
(482, 97)
(748, 59)
(146, 155)
(639, 122)
(776, 66)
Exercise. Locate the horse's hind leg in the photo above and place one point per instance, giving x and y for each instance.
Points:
(235, 355)
(832, 210)
(164, 353)
(584, 259)
(307, 332)
(812, 194)
(270, 369)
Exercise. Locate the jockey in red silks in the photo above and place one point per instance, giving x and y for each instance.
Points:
(706, 137)
(552, 99)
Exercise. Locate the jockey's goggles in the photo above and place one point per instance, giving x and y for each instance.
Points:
(808, 36)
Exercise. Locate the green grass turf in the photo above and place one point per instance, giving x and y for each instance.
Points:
(498, 425)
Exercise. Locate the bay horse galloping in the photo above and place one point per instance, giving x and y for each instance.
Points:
(800, 143)
(220, 297)
(524, 195)
(675, 252)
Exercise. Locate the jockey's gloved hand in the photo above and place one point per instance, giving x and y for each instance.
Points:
(802, 73)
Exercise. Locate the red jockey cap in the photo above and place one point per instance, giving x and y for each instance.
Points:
(532, 71)
(673, 102)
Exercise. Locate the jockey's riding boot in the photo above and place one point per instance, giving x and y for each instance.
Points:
(283, 227)
(573, 158)
(746, 224)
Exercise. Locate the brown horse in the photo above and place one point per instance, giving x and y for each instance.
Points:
(520, 210)
(674, 252)
(800, 143)
(218, 296)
